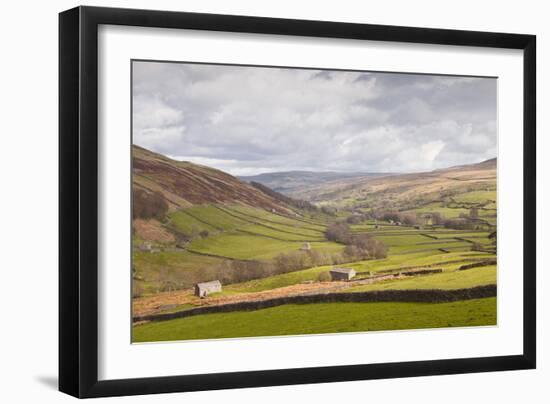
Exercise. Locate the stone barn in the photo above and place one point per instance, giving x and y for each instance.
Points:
(305, 247)
(204, 289)
(146, 247)
(342, 274)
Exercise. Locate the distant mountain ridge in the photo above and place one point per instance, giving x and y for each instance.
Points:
(184, 184)
(289, 182)
(408, 186)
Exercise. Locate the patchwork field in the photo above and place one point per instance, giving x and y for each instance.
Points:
(426, 232)
(243, 233)
(252, 247)
(213, 236)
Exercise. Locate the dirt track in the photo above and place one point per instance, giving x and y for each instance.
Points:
(159, 303)
(149, 305)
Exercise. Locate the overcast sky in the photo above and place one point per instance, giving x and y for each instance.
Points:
(248, 120)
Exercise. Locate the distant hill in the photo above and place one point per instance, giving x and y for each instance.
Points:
(484, 165)
(399, 188)
(184, 184)
(290, 182)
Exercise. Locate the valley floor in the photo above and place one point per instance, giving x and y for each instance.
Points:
(437, 231)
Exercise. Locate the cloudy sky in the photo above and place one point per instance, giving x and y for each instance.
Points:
(248, 120)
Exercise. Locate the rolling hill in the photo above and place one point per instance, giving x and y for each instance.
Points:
(208, 224)
(400, 188)
(184, 184)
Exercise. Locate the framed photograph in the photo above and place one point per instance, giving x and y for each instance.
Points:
(250, 201)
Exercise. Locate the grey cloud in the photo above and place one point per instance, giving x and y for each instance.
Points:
(247, 119)
(324, 74)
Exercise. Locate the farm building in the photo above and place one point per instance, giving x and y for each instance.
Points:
(206, 288)
(146, 247)
(305, 247)
(342, 274)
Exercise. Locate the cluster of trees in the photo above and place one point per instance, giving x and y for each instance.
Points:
(461, 223)
(358, 246)
(297, 260)
(148, 205)
(168, 278)
(363, 246)
(357, 218)
(473, 214)
(408, 219)
(182, 238)
(339, 232)
(329, 210)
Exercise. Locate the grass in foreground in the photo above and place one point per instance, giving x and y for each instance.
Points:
(446, 280)
(321, 318)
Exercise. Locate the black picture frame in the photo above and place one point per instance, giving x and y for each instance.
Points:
(78, 200)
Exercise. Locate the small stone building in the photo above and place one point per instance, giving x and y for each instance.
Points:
(305, 247)
(342, 274)
(146, 247)
(204, 289)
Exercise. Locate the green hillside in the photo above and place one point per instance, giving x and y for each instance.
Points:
(399, 232)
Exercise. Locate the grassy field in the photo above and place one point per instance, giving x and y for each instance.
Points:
(403, 242)
(187, 224)
(321, 318)
(217, 217)
(476, 196)
(460, 204)
(263, 215)
(446, 280)
(178, 265)
(394, 262)
(449, 213)
(248, 247)
(221, 233)
(265, 231)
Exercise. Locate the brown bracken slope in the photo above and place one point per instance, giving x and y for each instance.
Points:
(184, 184)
